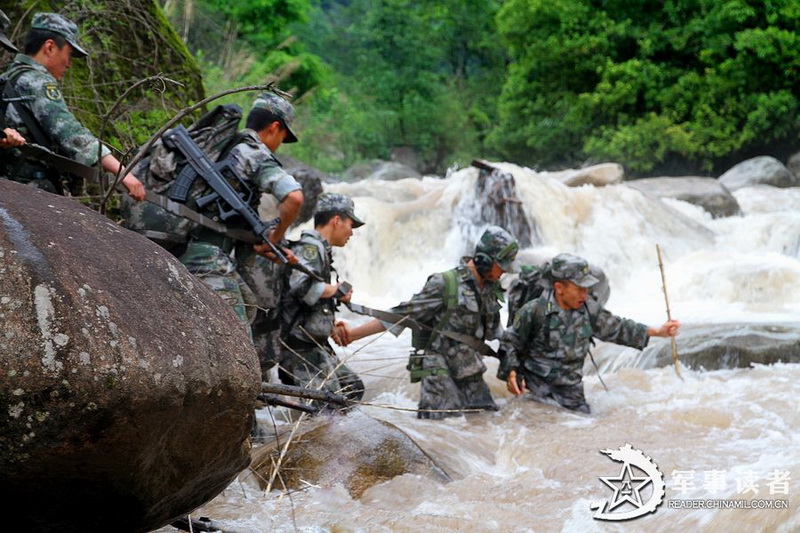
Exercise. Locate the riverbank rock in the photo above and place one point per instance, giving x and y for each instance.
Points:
(708, 193)
(597, 175)
(379, 170)
(764, 170)
(126, 386)
(354, 450)
(718, 346)
(310, 179)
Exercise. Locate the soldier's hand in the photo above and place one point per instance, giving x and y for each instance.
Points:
(515, 386)
(347, 297)
(341, 333)
(265, 251)
(12, 138)
(668, 329)
(134, 186)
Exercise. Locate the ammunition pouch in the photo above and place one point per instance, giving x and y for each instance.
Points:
(416, 367)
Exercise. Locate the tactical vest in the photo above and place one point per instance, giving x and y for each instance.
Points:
(12, 164)
(300, 320)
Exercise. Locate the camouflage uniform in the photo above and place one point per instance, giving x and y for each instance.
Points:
(41, 96)
(308, 319)
(208, 254)
(547, 345)
(454, 379)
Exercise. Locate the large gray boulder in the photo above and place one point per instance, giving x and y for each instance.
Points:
(708, 193)
(127, 387)
(764, 170)
(355, 450)
(310, 179)
(717, 346)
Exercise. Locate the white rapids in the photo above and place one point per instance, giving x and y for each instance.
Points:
(716, 437)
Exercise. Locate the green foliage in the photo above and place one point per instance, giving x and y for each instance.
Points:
(424, 75)
(648, 83)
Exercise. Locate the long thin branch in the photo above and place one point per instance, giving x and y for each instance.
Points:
(188, 110)
(158, 77)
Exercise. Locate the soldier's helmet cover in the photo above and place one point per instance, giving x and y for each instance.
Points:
(61, 25)
(572, 268)
(330, 202)
(499, 245)
(281, 108)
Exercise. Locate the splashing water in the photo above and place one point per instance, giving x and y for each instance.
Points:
(718, 435)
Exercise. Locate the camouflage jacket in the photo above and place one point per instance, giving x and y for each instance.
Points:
(552, 342)
(42, 96)
(477, 313)
(304, 312)
(258, 164)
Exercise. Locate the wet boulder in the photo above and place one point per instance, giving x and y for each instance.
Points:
(762, 170)
(126, 386)
(718, 346)
(354, 450)
(380, 170)
(707, 193)
(311, 179)
(598, 175)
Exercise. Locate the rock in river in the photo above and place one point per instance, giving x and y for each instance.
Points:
(126, 386)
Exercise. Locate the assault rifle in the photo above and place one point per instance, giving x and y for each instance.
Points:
(229, 202)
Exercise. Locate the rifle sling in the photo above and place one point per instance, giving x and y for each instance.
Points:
(474, 343)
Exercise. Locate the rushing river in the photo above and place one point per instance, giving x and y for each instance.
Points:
(717, 436)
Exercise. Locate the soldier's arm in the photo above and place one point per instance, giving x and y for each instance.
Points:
(288, 211)
(303, 287)
(50, 109)
(612, 328)
(129, 181)
(272, 179)
(422, 307)
(515, 340)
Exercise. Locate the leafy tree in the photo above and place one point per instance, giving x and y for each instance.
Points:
(424, 71)
(678, 84)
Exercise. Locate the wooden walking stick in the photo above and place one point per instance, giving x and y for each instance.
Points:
(675, 360)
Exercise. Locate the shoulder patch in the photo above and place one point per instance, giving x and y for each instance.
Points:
(52, 91)
(309, 252)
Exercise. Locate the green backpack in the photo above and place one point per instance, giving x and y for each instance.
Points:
(215, 133)
(422, 339)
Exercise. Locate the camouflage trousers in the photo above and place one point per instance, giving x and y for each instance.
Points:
(217, 270)
(441, 396)
(318, 367)
(569, 396)
(264, 278)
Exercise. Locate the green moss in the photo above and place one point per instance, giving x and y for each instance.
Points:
(127, 42)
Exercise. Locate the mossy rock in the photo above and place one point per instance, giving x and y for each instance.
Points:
(127, 41)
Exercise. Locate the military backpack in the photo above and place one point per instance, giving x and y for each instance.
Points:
(422, 339)
(216, 134)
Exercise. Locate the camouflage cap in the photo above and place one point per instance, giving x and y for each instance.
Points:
(572, 268)
(5, 23)
(281, 108)
(61, 25)
(500, 245)
(330, 202)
